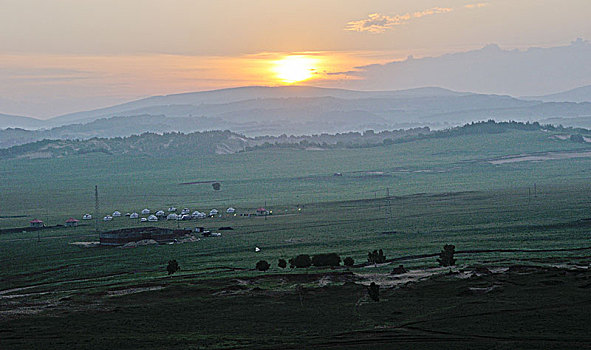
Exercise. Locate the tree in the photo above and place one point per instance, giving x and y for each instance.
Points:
(446, 257)
(173, 266)
(302, 260)
(376, 257)
(262, 265)
(282, 263)
(216, 186)
(374, 291)
(349, 261)
(330, 259)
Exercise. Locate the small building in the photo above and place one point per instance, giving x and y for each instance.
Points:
(172, 209)
(152, 218)
(146, 211)
(143, 220)
(36, 223)
(171, 216)
(126, 235)
(185, 217)
(213, 212)
(262, 212)
(87, 217)
(134, 215)
(160, 213)
(185, 211)
(116, 214)
(108, 218)
(230, 210)
(71, 222)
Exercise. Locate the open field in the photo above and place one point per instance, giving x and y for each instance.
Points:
(442, 191)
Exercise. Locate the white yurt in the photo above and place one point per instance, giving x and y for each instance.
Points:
(171, 216)
(172, 209)
(134, 215)
(230, 210)
(116, 214)
(108, 218)
(152, 218)
(185, 211)
(160, 213)
(146, 211)
(213, 212)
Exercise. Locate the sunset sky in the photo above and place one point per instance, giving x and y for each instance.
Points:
(62, 56)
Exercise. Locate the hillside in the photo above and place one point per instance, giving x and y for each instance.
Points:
(14, 121)
(580, 94)
(227, 142)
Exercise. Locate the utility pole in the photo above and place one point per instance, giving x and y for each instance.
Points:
(388, 211)
(96, 209)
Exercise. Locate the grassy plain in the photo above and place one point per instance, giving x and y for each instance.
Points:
(442, 191)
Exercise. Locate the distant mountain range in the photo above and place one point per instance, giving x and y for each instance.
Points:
(256, 111)
(580, 94)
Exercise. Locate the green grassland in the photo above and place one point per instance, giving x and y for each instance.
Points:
(442, 191)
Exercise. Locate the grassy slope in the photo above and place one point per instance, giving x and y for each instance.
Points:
(500, 214)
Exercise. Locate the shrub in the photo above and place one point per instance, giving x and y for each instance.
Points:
(376, 257)
(446, 257)
(262, 265)
(216, 186)
(282, 263)
(349, 261)
(330, 259)
(374, 291)
(302, 260)
(173, 266)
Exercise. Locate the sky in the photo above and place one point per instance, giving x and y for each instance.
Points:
(60, 56)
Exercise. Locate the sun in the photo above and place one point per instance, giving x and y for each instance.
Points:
(296, 68)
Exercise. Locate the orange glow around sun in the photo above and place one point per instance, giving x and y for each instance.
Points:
(295, 68)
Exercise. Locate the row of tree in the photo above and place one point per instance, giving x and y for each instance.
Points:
(446, 258)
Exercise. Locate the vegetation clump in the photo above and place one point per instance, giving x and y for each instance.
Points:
(399, 270)
(262, 265)
(173, 266)
(330, 259)
(300, 261)
(282, 263)
(349, 261)
(446, 257)
(374, 291)
(376, 257)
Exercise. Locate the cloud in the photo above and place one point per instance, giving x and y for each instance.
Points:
(378, 23)
(477, 5)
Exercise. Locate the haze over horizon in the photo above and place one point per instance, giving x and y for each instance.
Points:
(67, 56)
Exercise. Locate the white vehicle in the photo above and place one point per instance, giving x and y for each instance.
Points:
(143, 220)
(108, 218)
(185, 211)
(87, 217)
(172, 209)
